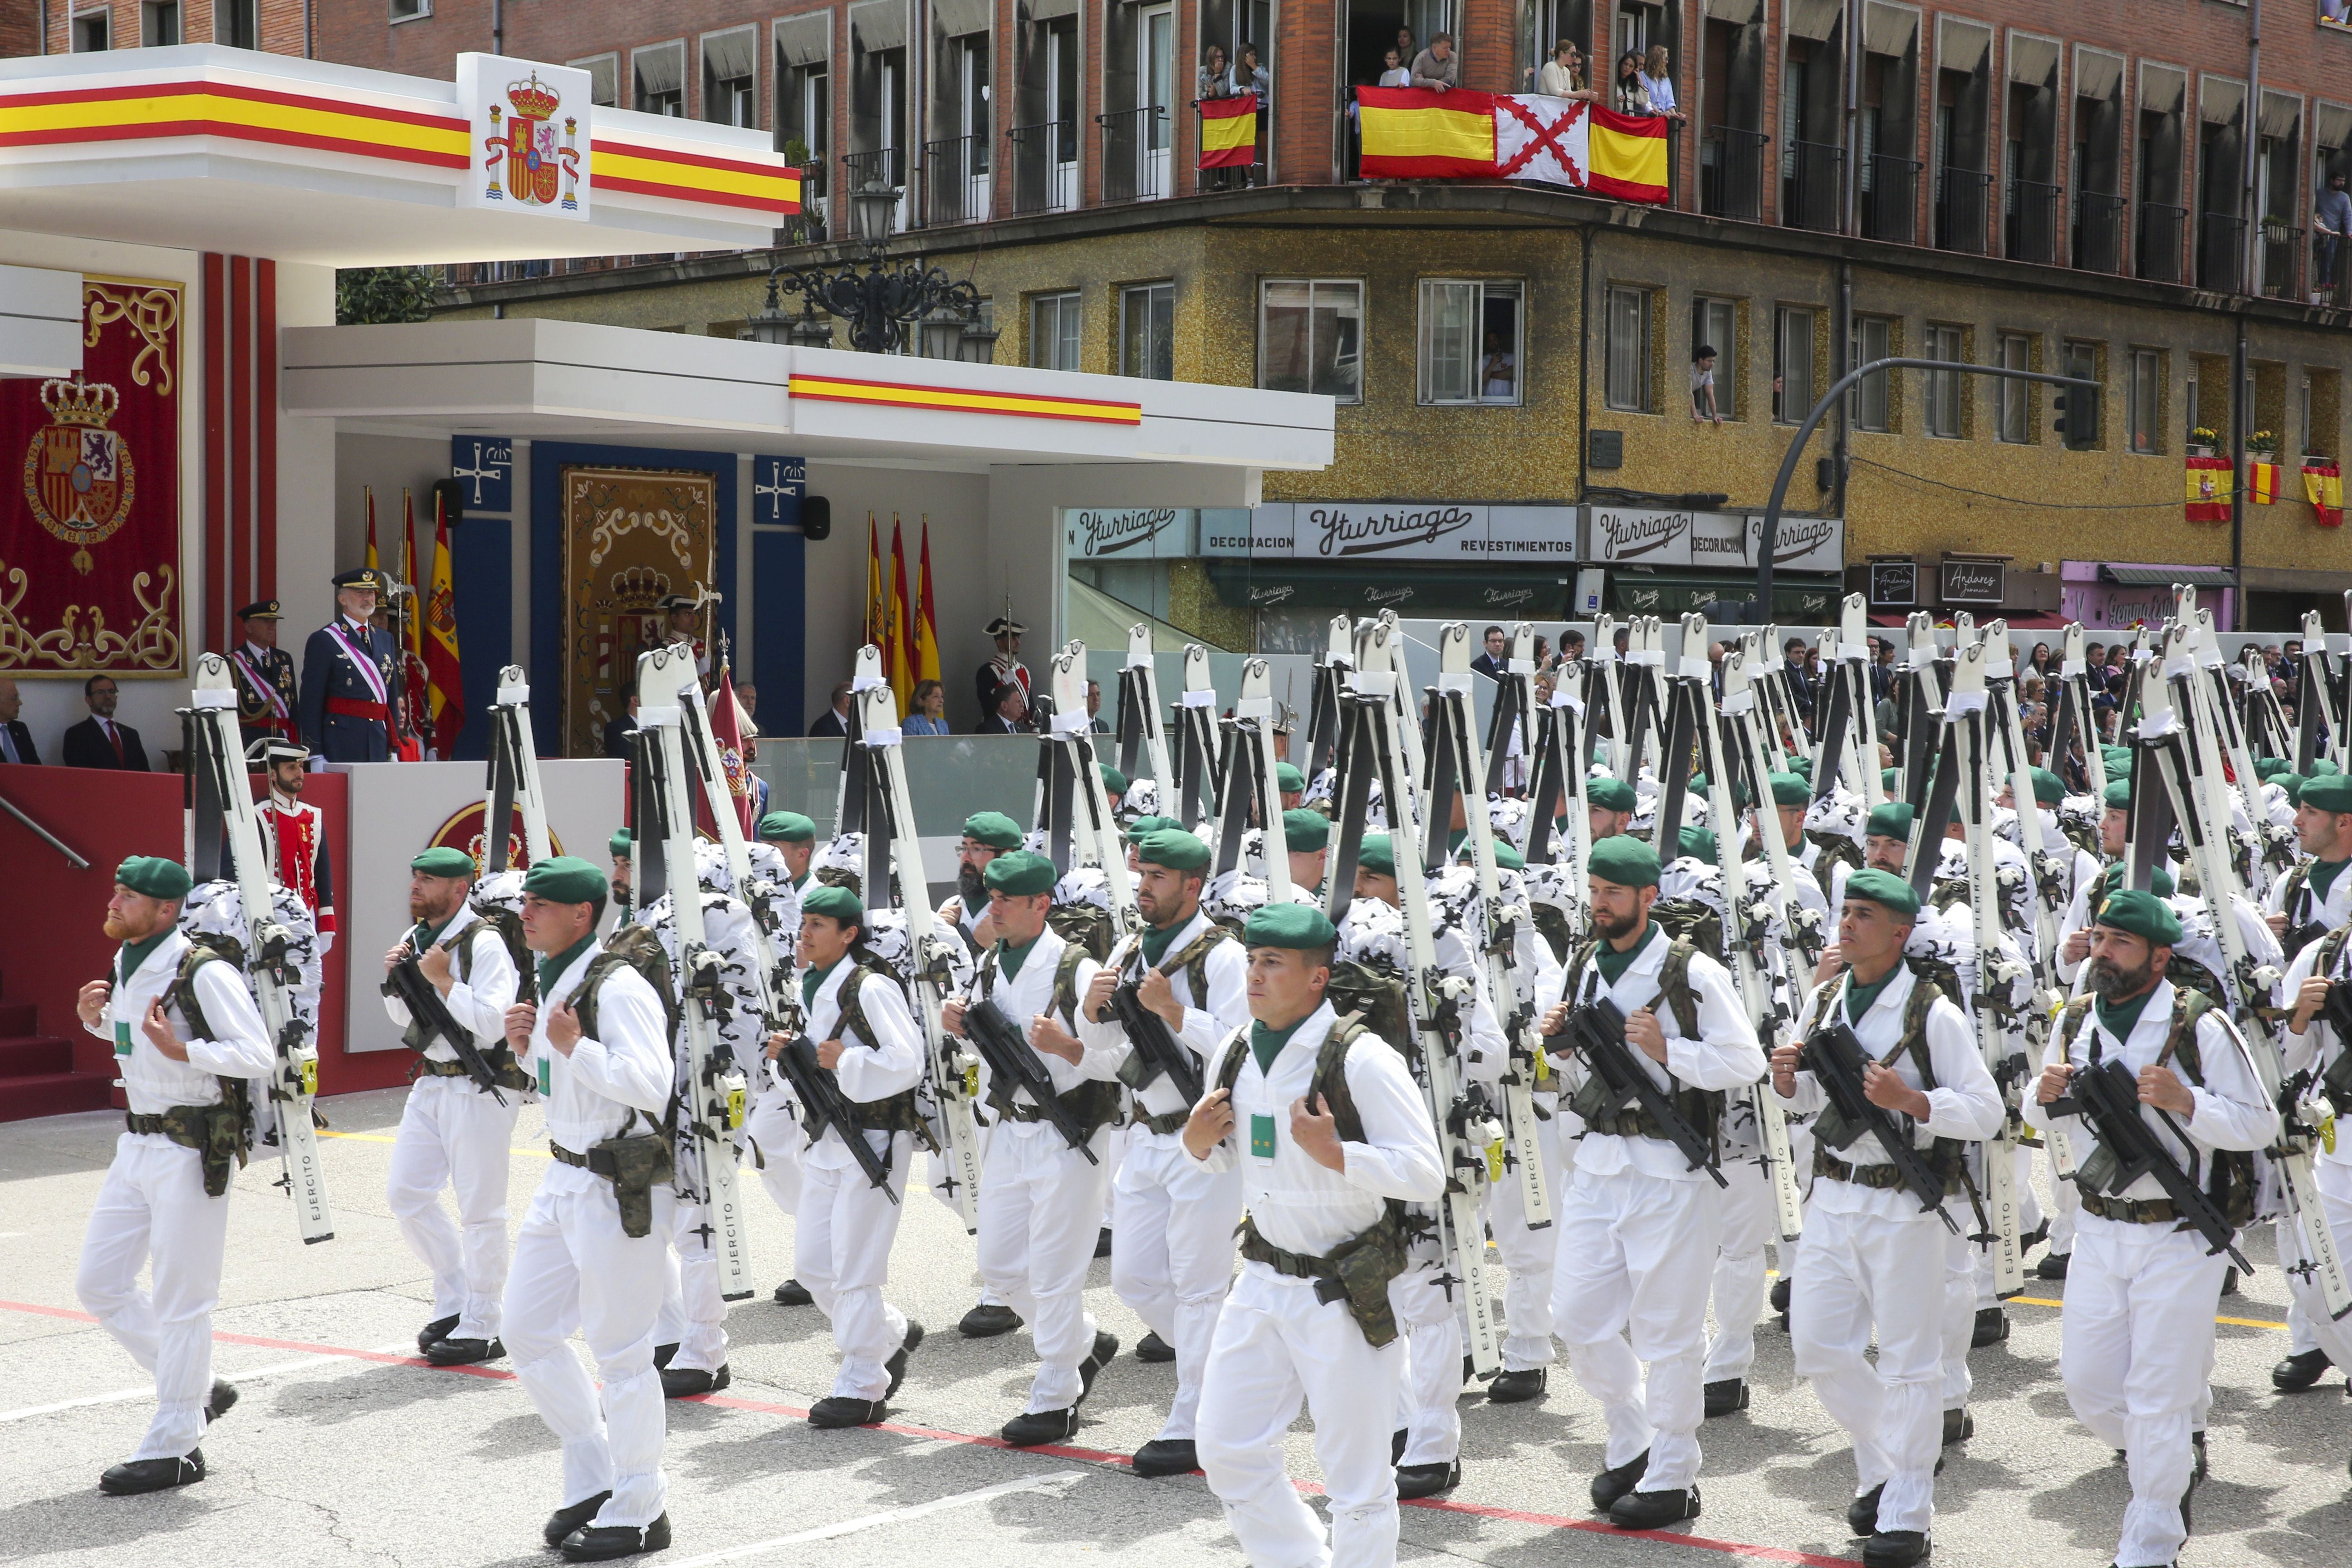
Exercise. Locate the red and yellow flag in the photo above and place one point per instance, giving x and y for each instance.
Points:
(2262, 483)
(370, 563)
(2323, 487)
(1628, 155)
(1229, 131)
(877, 603)
(1416, 133)
(926, 625)
(897, 654)
(445, 673)
(2210, 480)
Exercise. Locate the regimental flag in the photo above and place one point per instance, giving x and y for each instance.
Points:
(2209, 482)
(2262, 482)
(372, 564)
(726, 734)
(926, 625)
(877, 597)
(2323, 487)
(898, 657)
(1229, 131)
(445, 673)
(1416, 133)
(1419, 133)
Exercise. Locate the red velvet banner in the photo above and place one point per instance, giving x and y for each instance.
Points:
(89, 495)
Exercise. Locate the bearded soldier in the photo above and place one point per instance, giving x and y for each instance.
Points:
(986, 835)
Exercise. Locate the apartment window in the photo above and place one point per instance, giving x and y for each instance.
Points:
(236, 22)
(2014, 398)
(2147, 390)
(660, 74)
(1871, 403)
(1470, 342)
(1941, 405)
(603, 78)
(731, 94)
(1793, 365)
(1054, 331)
(1715, 324)
(2083, 360)
(158, 22)
(92, 33)
(1629, 350)
(1147, 331)
(1311, 336)
(410, 10)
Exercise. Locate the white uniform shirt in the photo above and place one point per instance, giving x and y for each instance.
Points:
(2317, 1046)
(627, 1068)
(480, 1004)
(884, 1060)
(1207, 1020)
(1965, 1104)
(1021, 999)
(2231, 1112)
(2333, 910)
(153, 1082)
(1302, 1206)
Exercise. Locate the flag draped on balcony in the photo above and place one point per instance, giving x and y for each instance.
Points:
(2323, 487)
(2262, 482)
(1417, 133)
(2209, 482)
(1229, 131)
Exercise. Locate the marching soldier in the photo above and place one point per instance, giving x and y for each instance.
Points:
(1041, 1199)
(294, 835)
(267, 691)
(347, 676)
(621, 846)
(1332, 1139)
(986, 835)
(186, 1034)
(1171, 1249)
(2316, 897)
(2316, 1044)
(2138, 1338)
(455, 1132)
(1638, 1227)
(593, 1249)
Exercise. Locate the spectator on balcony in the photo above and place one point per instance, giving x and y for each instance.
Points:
(1702, 386)
(1435, 67)
(1629, 94)
(1404, 44)
(1660, 83)
(1563, 75)
(1217, 78)
(2331, 220)
(1392, 69)
(1251, 76)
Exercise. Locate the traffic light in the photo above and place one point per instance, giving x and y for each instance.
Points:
(2078, 417)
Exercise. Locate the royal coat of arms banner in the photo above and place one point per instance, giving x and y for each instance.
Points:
(89, 524)
(631, 538)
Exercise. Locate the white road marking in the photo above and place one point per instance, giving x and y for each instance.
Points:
(877, 1520)
(276, 1369)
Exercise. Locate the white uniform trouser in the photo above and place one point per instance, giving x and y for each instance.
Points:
(1959, 1313)
(1527, 1254)
(574, 1270)
(1751, 1220)
(453, 1134)
(2135, 1349)
(1039, 1212)
(2313, 1329)
(1276, 1343)
(841, 1250)
(1428, 1411)
(1862, 1272)
(1171, 1254)
(1114, 1155)
(1634, 1255)
(152, 1209)
(772, 1140)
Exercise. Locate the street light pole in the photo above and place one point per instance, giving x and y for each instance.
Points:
(1768, 547)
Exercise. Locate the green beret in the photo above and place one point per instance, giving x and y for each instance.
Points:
(2143, 914)
(1377, 854)
(993, 828)
(1884, 887)
(1698, 844)
(1801, 766)
(1611, 795)
(2328, 792)
(1788, 789)
(1289, 779)
(2047, 790)
(2321, 767)
(566, 879)
(1174, 848)
(2160, 881)
(1624, 860)
(2293, 783)
(1114, 782)
(1020, 874)
(1740, 794)
(1301, 926)
(1143, 827)
(444, 860)
(834, 903)
(2119, 758)
(1306, 831)
(787, 827)
(1508, 858)
(2268, 768)
(1891, 820)
(2118, 794)
(1886, 781)
(619, 845)
(155, 876)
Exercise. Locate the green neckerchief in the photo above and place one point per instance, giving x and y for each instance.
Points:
(2119, 1020)
(2322, 877)
(552, 969)
(134, 953)
(420, 939)
(802, 880)
(1009, 958)
(1155, 940)
(1453, 839)
(813, 981)
(1267, 1043)
(1614, 963)
(1859, 997)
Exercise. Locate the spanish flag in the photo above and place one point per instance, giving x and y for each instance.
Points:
(2209, 482)
(2262, 483)
(1229, 131)
(1627, 156)
(877, 596)
(925, 625)
(2323, 487)
(1418, 134)
(899, 652)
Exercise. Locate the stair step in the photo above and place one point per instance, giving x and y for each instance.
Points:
(54, 1094)
(29, 1055)
(18, 1018)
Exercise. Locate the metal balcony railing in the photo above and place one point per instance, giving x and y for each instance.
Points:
(1960, 199)
(1890, 203)
(2221, 253)
(2031, 222)
(956, 180)
(884, 166)
(1044, 166)
(1138, 153)
(2099, 227)
(1731, 172)
(2282, 249)
(2160, 228)
(1812, 182)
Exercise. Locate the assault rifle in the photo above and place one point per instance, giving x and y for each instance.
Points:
(405, 982)
(1596, 1030)
(1838, 1061)
(1010, 1057)
(823, 1104)
(2108, 1096)
(1156, 1049)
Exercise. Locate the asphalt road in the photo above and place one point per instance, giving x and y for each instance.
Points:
(346, 1449)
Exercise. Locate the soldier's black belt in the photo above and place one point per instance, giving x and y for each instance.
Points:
(2132, 1211)
(429, 1066)
(1880, 1178)
(1163, 1125)
(183, 1124)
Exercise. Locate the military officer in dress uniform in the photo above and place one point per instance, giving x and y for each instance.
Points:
(294, 833)
(266, 695)
(685, 625)
(1004, 668)
(347, 677)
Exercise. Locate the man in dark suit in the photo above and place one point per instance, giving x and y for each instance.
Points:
(98, 741)
(1496, 662)
(347, 677)
(16, 739)
(834, 720)
(267, 691)
(617, 732)
(1011, 713)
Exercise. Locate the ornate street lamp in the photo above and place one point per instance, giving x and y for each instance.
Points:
(879, 302)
